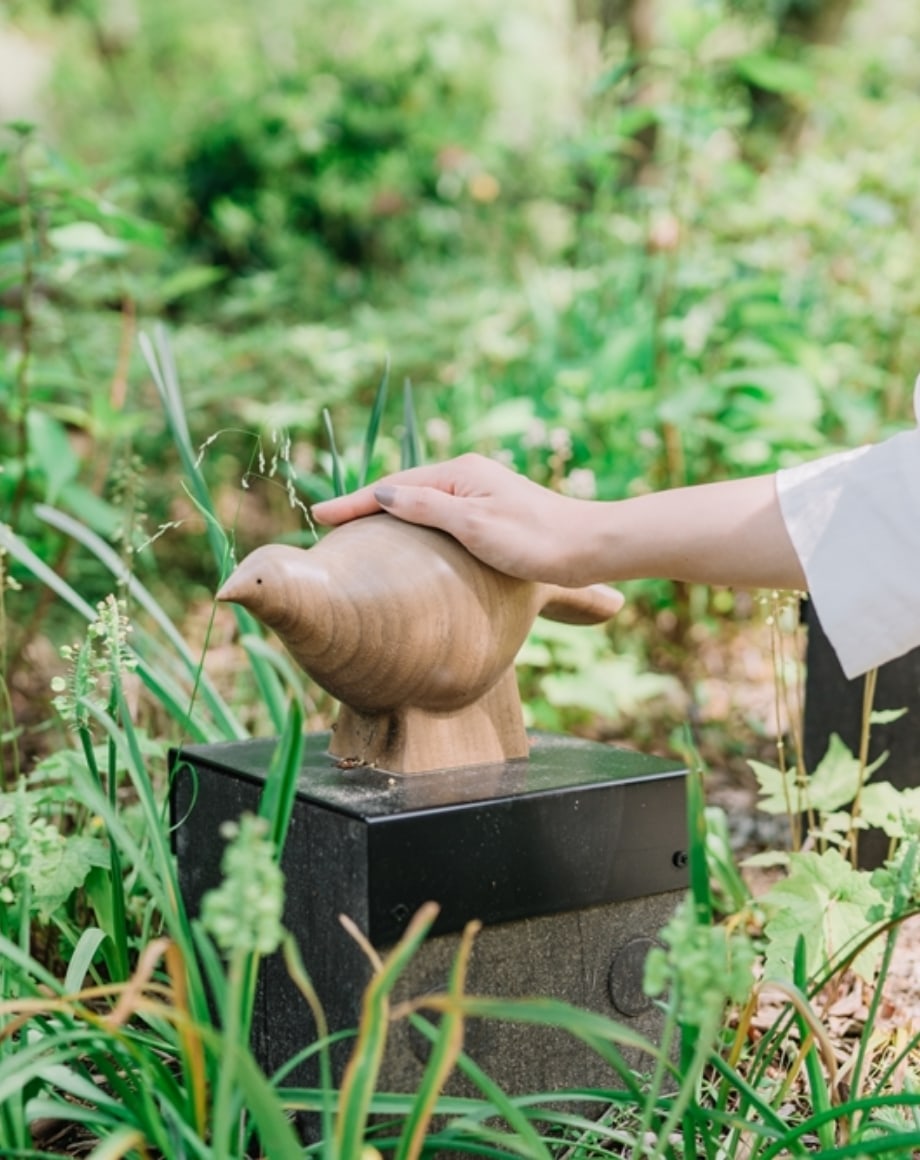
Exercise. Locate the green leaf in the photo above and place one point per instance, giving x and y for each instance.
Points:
(276, 802)
(94, 511)
(607, 687)
(189, 280)
(629, 353)
(886, 716)
(82, 958)
(774, 75)
(373, 425)
(832, 786)
(785, 399)
(338, 471)
(51, 452)
(779, 793)
(767, 859)
(86, 239)
(892, 810)
(411, 447)
(57, 870)
(836, 780)
(826, 902)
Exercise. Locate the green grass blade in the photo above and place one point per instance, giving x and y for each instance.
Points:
(363, 1068)
(750, 1098)
(161, 363)
(845, 1113)
(373, 426)
(819, 1093)
(295, 968)
(219, 709)
(34, 1060)
(166, 691)
(699, 862)
(276, 802)
(212, 965)
(497, 1101)
(444, 1052)
(121, 1143)
(900, 1144)
(154, 867)
(411, 452)
(81, 959)
(20, 551)
(338, 472)
(276, 1133)
(603, 1035)
(258, 648)
(158, 355)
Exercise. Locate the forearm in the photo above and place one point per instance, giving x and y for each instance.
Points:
(722, 533)
(729, 533)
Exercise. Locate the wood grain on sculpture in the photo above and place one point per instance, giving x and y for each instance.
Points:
(414, 636)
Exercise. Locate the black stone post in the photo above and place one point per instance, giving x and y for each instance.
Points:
(573, 860)
(834, 704)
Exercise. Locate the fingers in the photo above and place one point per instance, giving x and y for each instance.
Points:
(457, 476)
(420, 505)
(345, 507)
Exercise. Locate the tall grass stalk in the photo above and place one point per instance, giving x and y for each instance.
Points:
(160, 361)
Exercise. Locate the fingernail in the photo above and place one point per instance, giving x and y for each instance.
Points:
(385, 495)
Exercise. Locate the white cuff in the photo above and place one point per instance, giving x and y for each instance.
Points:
(854, 520)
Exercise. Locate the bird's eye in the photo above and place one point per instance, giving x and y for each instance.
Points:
(258, 579)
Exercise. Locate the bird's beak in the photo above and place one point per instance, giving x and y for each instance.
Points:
(229, 590)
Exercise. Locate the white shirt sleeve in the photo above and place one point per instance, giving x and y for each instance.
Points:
(854, 521)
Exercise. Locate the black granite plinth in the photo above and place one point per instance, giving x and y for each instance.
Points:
(573, 859)
(834, 704)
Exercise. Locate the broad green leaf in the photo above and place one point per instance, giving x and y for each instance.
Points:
(892, 810)
(779, 793)
(787, 398)
(189, 280)
(94, 511)
(51, 452)
(774, 74)
(57, 870)
(836, 780)
(833, 784)
(86, 239)
(826, 902)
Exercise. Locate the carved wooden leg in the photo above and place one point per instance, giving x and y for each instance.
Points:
(413, 740)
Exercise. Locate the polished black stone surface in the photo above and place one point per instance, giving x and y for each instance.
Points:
(578, 824)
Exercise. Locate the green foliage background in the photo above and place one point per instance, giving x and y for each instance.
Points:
(619, 267)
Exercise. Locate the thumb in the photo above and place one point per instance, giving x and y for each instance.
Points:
(418, 505)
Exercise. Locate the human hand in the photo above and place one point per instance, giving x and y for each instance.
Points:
(503, 518)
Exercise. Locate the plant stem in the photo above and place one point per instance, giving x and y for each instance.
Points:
(222, 1126)
(26, 326)
(119, 916)
(651, 1102)
(869, 687)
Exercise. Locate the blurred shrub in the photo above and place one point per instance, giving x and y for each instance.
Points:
(299, 140)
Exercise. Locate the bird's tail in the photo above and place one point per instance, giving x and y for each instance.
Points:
(591, 605)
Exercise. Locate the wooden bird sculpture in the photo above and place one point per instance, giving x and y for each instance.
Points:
(413, 635)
